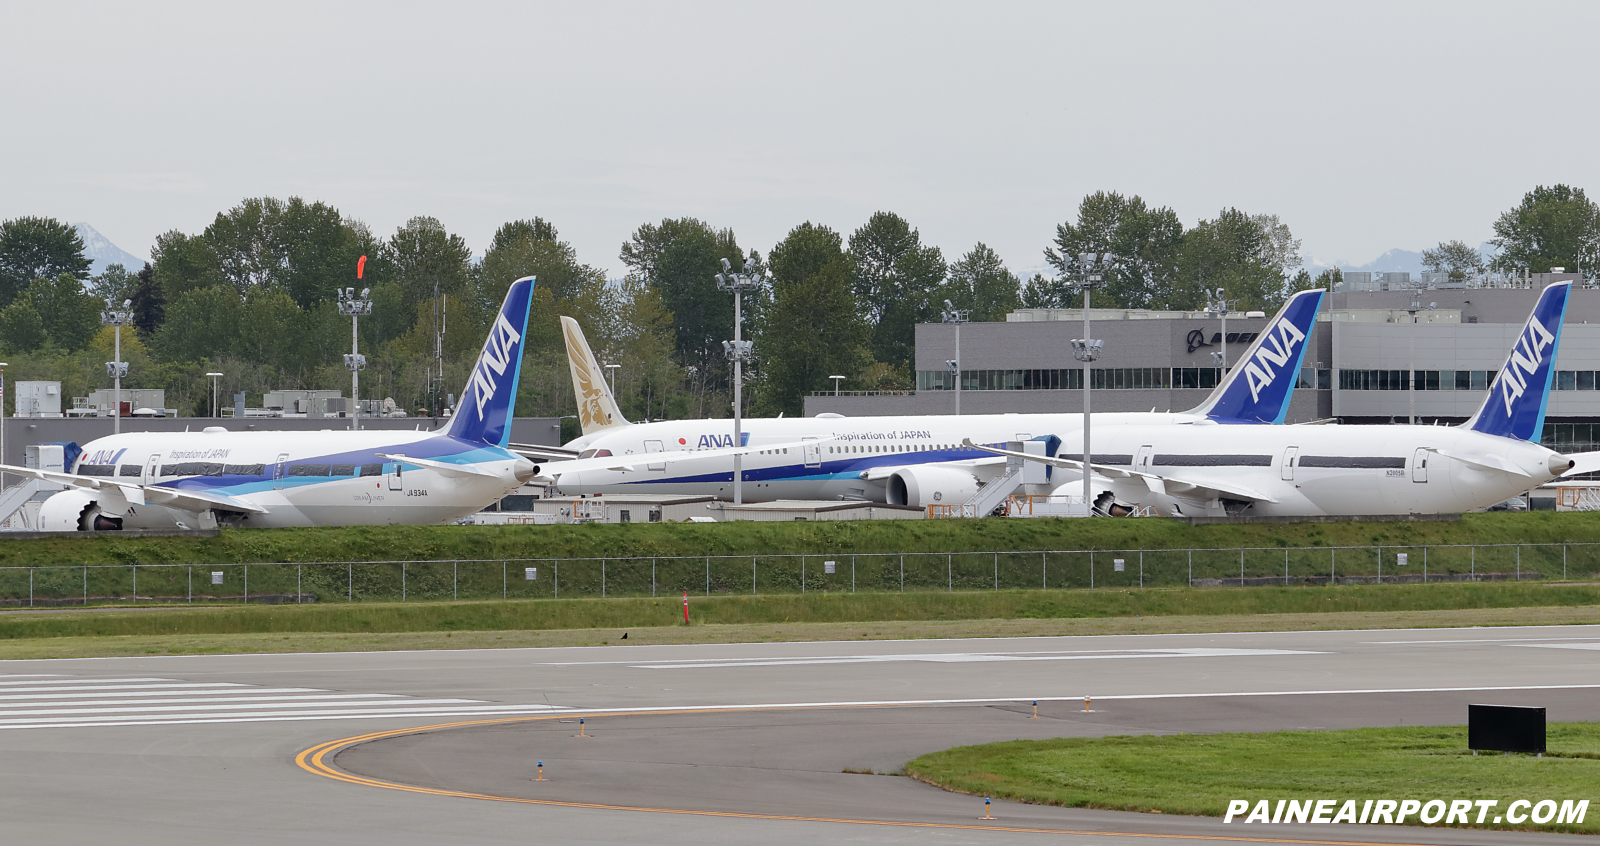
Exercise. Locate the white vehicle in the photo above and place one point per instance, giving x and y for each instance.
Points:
(1306, 471)
(909, 460)
(278, 479)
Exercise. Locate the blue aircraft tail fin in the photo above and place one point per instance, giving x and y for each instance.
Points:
(484, 413)
(1261, 382)
(1521, 390)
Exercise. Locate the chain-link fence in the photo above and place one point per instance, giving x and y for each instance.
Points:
(753, 575)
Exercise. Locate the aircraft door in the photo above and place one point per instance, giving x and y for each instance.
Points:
(152, 468)
(655, 446)
(397, 480)
(280, 470)
(1141, 462)
(1291, 455)
(1419, 465)
(813, 452)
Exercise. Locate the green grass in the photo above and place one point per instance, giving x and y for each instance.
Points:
(677, 539)
(1199, 774)
(810, 608)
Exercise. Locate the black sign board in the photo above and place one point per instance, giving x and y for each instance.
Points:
(1505, 728)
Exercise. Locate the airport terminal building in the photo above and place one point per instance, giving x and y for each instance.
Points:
(1358, 366)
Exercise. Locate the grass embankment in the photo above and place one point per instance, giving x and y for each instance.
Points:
(424, 625)
(1199, 774)
(669, 539)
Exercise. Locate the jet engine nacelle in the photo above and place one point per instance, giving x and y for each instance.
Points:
(924, 486)
(75, 511)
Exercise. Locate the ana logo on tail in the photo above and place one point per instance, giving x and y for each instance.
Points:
(1275, 350)
(496, 356)
(1526, 356)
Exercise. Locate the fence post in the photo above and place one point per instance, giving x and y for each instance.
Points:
(247, 584)
(1519, 563)
(602, 578)
(190, 589)
(30, 586)
(1091, 569)
(1333, 566)
(997, 571)
(853, 571)
(350, 582)
(297, 583)
(1191, 568)
(1141, 569)
(1424, 563)
(1044, 571)
(902, 572)
(136, 574)
(1563, 564)
(555, 577)
(708, 576)
(1241, 566)
(802, 574)
(455, 580)
(503, 586)
(1472, 559)
(1380, 564)
(949, 572)
(752, 575)
(402, 581)
(1285, 566)
(86, 585)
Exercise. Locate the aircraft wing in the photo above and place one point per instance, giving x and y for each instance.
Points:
(635, 461)
(536, 452)
(144, 494)
(1175, 485)
(878, 474)
(460, 471)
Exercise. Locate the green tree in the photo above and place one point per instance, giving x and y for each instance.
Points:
(149, 302)
(202, 323)
(114, 283)
(679, 259)
(1556, 226)
(1142, 244)
(814, 328)
(980, 283)
(896, 278)
(54, 311)
(533, 248)
(1455, 258)
(183, 263)
(304, 249)
(1236, 252)
(38, 248)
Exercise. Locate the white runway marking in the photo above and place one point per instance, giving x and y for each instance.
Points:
(942, 658)
(1559, 645)
(1480, 640)
(63, 703)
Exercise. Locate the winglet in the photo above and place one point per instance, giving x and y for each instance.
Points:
(1260, 384)
(1521, 391)
(490, 398)
(597, 408)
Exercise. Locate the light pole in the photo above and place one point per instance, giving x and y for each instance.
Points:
(355, 362)
(613, 374)
(1215, 304)
(958, 317)
(3, 366)
(215, 411)
(1086, 350)
(1411, 373)
(738, 351)
(117, 317)
(836, 380)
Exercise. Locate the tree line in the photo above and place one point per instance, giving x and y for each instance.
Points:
(253, 296)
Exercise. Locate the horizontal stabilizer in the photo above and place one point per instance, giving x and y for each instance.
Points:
(137, 494)
(1174, 485)
(460, 471)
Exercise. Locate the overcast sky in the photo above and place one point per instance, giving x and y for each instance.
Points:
(1364, 126)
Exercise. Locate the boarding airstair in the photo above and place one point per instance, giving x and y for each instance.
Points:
(992, 493)
(15, 497)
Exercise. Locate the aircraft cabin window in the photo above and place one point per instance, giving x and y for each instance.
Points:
(308, 470)
(130, 470)
(344, 469)
(372, 469)
(244, 469)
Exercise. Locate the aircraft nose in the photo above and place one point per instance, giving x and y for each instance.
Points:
(524, 469)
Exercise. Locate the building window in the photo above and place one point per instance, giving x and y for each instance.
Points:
(1426, 380)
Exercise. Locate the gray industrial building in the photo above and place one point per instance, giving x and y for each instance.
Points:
(1357, 368)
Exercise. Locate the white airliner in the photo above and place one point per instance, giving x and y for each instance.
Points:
(908, 460)
(1305, 471)
(282, 479)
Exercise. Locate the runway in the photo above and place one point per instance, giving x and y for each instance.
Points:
(705, 744)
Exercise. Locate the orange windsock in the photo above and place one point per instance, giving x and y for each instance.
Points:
(361, 266)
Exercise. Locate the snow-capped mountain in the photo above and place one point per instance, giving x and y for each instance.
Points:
(103, 253)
